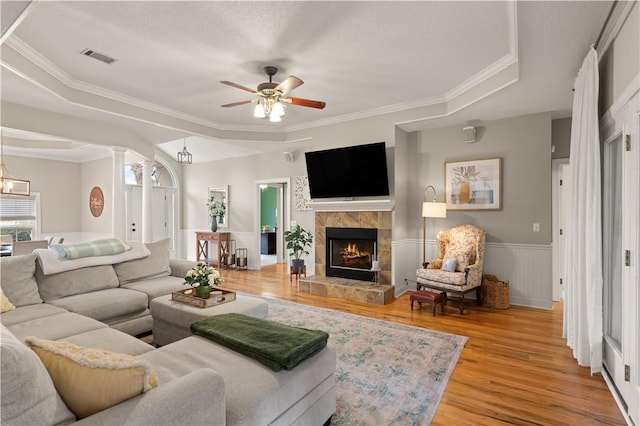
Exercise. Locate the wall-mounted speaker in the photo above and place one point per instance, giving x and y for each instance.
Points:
(289, 157)
(469, 134)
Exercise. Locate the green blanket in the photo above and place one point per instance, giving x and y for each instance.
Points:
(275, 345)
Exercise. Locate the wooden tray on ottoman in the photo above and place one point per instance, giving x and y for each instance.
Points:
(193, 300)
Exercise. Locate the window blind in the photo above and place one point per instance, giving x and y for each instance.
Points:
(17, 208)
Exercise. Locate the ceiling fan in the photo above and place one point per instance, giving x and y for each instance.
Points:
(272, 96)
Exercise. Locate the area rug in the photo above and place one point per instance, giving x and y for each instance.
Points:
(387, 373)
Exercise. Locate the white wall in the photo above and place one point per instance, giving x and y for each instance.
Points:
(96, 173)
(58, 183)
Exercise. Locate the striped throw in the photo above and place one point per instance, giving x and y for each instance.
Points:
(104, 247)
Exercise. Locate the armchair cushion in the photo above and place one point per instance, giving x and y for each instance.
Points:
(440, 276)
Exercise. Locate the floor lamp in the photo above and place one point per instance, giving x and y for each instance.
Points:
(431, 209)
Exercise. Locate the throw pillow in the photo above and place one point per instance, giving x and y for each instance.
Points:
(464, 256)
(17, 281)
(449, 265)
(153, 266)
(5, 304)
(90, 380)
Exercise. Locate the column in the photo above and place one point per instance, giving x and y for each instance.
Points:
(147, 220)
(118, 217)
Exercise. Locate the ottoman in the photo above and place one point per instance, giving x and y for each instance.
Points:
(422, 296)
(171, 319)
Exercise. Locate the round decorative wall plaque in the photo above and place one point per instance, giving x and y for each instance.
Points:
(96, 201)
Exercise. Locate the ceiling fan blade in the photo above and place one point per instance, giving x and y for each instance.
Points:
(305, 102)
(236, 103)
(237, 86)
(289, 84)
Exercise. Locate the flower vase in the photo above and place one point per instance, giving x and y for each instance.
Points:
(465, 192)
(203, 291)
(214, 224)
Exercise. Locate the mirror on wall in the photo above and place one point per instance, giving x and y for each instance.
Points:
(218, 204)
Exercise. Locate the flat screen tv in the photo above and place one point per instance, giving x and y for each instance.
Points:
(353, 171)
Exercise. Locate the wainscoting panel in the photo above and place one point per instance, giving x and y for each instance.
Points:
(527, 267)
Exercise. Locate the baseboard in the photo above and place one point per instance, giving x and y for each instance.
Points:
(616, 396)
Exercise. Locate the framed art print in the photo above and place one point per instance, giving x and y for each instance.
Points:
(473, 184)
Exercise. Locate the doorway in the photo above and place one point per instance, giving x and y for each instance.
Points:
(273, 212)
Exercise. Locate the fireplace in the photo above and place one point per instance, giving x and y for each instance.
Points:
(350, 252)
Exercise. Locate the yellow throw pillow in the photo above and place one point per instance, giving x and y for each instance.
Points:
(5, 304)
(90, 380)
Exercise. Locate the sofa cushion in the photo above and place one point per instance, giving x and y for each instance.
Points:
(152, 266)
(104, 304)
(28, 395)
(77, 281)
(89, 379)
(255, 394)
(55, 327)
(5, 303)
(111, 340)
(30, 312)
(157, 286)
(16, 279)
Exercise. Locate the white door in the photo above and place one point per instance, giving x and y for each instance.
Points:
(560, 175)
(620, 256)
(161, 208)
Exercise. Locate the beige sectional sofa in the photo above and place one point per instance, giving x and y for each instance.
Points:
(104, 306)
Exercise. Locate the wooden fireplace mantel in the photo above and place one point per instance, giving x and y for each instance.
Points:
(352, 205)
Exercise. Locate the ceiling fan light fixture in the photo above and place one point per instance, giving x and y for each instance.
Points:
(271, 96)
(277, 109)
(274, 118)
(258, 111)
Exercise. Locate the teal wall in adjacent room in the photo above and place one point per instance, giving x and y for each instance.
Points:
(268, 205)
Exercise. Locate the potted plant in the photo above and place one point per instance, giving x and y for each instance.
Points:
(217, 210)
(298, 240)
(201, 277)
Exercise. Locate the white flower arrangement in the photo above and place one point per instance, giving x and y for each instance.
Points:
(201, 274)
(217, 206)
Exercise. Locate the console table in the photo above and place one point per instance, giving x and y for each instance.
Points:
(202, 246)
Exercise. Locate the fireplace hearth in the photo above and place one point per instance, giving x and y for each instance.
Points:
(350, 253)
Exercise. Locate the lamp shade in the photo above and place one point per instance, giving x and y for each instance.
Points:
(433, 209)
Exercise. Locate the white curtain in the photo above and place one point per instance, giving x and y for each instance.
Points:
(583, 253)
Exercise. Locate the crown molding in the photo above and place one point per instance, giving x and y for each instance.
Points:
(37, 59)
(447, 101)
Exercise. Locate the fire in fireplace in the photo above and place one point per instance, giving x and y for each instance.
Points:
(350, 252)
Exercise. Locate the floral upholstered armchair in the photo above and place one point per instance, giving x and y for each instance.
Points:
(458, 268)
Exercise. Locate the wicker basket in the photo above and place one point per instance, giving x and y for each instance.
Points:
(495, 293)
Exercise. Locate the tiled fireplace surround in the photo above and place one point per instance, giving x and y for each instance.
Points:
(378, 293)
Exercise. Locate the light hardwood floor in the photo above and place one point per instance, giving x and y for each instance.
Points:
(515, 369)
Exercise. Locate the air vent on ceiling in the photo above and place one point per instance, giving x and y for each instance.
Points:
(99, 56)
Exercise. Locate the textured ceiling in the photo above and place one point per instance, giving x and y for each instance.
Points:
(361, 58)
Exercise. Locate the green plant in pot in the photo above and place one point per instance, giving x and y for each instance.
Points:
(298, 241)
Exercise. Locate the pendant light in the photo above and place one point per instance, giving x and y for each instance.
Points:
(10, 185)
(184, 156)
